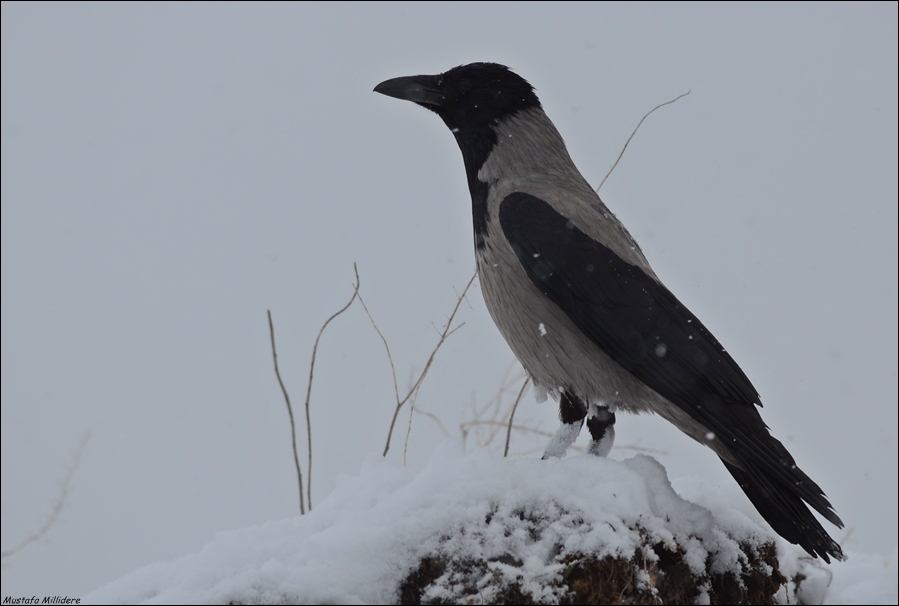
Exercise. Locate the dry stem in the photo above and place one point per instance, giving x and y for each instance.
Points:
(524, 387)
(58, 503)
(634, 133)
(309, 387)
(416, 386)
(293, 429)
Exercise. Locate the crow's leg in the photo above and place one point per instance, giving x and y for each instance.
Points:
(572, 411)
(602, 430)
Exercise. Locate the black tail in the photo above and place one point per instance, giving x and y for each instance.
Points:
(783, 507)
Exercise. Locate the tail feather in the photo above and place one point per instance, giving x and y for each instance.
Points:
(769, 476)
(786, 512)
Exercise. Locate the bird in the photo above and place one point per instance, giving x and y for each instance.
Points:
(573, 295)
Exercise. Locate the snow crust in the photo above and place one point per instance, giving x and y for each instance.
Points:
(357, 545)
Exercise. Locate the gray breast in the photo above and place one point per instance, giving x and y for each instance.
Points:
(556, 354)
(546, 342)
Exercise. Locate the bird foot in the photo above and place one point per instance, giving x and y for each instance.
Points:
(564, 438)
(601, 424)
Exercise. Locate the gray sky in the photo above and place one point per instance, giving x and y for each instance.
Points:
(169, 172)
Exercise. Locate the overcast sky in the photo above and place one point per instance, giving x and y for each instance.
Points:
(171, 171)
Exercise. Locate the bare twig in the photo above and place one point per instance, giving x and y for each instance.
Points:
(846, 535)
(58, 503)
(434, 418)
(413, 391)
(524, 387)
(396, 389)
(293, 429)
(494, 409)
(497, 423)
(309, 386)
(417, 387)
(635, 132)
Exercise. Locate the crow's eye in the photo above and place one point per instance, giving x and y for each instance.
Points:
(465, 85)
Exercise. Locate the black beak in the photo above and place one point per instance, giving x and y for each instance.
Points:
(424, 90)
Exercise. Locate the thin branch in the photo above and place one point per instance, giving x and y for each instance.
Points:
(846, 536)
(415, 388)
(460, 296)
(396, 389)
(635, 132)
(309, 386)
(408, 428)
(413, 391)
(493, 407)
(583, 450)
(524, 387)
(58, 503)
(293, 429)
(496, 423)
(434, 418)
(454, 330)
(574, 447)
(654, 451)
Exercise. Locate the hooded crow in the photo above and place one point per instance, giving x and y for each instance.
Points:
(584, 313)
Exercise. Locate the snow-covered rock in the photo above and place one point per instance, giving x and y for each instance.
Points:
(471, 526)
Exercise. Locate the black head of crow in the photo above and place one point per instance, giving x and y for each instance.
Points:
(583, 311)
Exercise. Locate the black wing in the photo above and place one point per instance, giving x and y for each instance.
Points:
(643, 327)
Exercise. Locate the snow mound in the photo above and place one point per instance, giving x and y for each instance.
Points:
(589, 530)
(467, 522)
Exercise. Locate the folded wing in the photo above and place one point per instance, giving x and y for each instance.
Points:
(641, 325)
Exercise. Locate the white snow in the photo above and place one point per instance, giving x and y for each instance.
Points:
(862, 579)
(358, 544)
